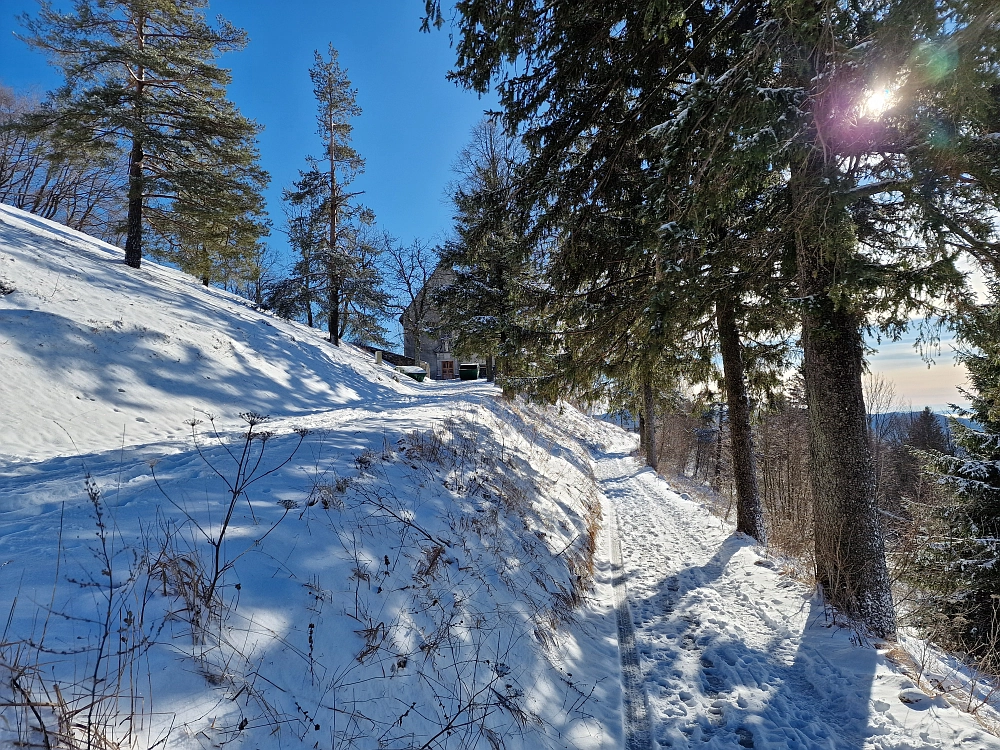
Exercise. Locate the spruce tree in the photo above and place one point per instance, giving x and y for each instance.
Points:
(871, 209)
(143, 77)
(865, 195)
(927, 433)
(594, 85)
(488, 262)
(959, 566)
(874, 202)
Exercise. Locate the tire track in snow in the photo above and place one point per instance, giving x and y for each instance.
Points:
(636, 719)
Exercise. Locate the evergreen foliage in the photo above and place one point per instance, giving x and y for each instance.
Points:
(142, 77)
(336, 278)
(219, 241)
(863, 203)
(488, 263)
(619, 301)
(926, 433)
(776, 176)
(960, 564)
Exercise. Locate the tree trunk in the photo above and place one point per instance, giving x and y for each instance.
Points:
(133, 240)
(850, 545)
(491, 368)
(343, 318)
(333, 314)
(307, 286)
(749, 511)
(649, 417)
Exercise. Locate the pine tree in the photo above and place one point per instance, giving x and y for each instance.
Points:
(142, 76)
(216, 236)
(331, 276)
(959, 566)
(297, 295)
(342, 260)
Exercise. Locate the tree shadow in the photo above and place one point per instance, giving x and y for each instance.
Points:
(807, 686)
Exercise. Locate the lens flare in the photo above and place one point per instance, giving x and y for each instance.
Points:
(876, 103)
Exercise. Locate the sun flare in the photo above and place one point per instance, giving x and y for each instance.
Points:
(876, 103)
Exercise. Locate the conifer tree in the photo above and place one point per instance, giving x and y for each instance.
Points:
(341, 260)
(296, 296)
(215, 236)
(871, 207)
(960, 563)
(585, 103)
(875, 200)
(926, 433)
(333, 278)
(142, 76)
(489, 258)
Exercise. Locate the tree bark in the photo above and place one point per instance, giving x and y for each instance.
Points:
(307, 287)
(133, 238)
(649, 419)
(333, 315)
(333, 296)
(850, 544)
(749, 510)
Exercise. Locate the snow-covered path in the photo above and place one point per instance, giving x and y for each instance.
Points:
(734, 654)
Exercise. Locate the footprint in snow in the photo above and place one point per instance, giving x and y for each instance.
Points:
(745, 737)
(918, 700)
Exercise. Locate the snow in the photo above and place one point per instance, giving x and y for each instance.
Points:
(736, 653)
(411, 564)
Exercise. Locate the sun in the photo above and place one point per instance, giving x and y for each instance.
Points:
(876, 103)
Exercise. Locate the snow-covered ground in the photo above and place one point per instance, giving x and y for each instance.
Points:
(384, 564)
(735, 654)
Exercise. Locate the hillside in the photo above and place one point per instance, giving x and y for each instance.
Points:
(380, 563)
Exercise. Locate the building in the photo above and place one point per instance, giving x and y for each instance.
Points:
(424, 338)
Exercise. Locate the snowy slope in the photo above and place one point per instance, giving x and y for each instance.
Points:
(409, 564)
(401, 565)
(96, 353)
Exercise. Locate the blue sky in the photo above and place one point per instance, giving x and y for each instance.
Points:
(413, 121)
(411, 128)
